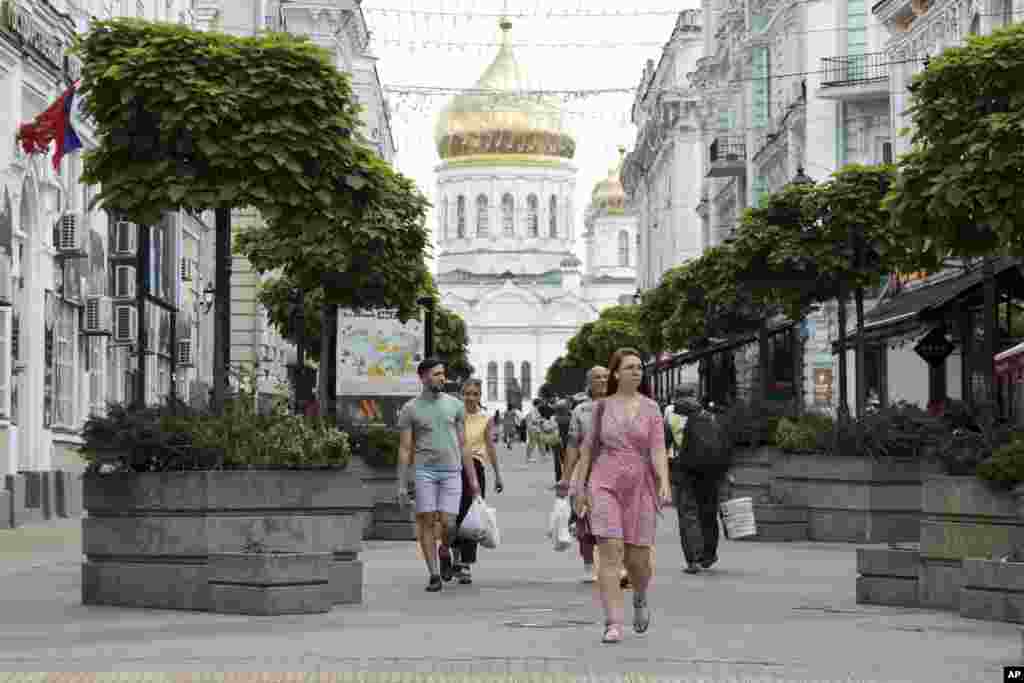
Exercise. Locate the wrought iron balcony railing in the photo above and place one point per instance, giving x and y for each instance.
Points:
(854, 69)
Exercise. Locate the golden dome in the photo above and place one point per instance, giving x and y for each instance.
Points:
(609, 193)
(506, 122)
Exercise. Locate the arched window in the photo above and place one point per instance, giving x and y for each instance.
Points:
(524, 380)
(492, 381)
(444, 218)
(460, 217)
(623, 248)
(532, 222)
(510, 378)
(481, 216)
(508, 214)
(553, 217)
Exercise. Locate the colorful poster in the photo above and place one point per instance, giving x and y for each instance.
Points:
(371, 411)
(377, 354)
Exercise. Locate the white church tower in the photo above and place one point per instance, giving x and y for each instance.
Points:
(504, 201)
(611, 242)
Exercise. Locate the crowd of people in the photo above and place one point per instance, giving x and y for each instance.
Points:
(618, 456)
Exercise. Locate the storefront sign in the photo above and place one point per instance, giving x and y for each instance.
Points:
(377, 354)
(934, 348)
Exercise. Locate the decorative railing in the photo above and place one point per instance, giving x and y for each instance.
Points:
(731, 148)
(33, 33)
(854, 69)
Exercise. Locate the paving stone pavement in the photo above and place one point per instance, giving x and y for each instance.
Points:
(766, 612)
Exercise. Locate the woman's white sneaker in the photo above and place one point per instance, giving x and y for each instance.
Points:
(589, 575)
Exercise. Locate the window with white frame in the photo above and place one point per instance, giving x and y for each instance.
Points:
(553, 217)
(508, 211)
(64, 367)
(460, 217)
(492, 381)
(532, 220)
(94, 371)
(5, 373)
(623, 248)
(482, 222)
(444, 218)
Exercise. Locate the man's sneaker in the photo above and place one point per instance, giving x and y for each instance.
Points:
(447, 571)
(435, 584)
(706, 562)
(589, 575)
(464, 575)
(692, 568)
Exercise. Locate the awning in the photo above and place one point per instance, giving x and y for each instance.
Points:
(1010, 363)
(690, 357)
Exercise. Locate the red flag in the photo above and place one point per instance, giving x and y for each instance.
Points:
(51, 125)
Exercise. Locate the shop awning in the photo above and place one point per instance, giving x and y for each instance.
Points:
(690, 357)
(1010, 363)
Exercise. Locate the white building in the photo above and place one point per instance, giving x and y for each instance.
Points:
(54, 371)
(504, 200)
(663, 174)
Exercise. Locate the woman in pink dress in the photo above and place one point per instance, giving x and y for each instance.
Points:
(627, 484)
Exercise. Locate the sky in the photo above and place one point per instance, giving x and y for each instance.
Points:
(454, 58)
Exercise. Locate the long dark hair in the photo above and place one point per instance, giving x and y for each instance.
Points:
(613, 366)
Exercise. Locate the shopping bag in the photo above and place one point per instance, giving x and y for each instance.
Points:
(490, 538)
(558, 524)
(475, 522)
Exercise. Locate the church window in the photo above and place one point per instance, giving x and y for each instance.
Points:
(460, 217)
(623, 248)
(492, 381)
(508, 213)
(532, 209)
(444, 218)
(481, 216)
(553, 217)
(524, 379)
(510, 378)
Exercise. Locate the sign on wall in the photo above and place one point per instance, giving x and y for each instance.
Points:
(377, 354)
(823, 386)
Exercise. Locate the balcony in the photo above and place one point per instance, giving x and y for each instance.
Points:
(856, 77)
(728, 157)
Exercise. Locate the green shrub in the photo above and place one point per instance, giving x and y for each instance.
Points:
(806, 433)
(378, 446)
(175, 437)
(1005, 467)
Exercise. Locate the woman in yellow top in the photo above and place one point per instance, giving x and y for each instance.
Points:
(480, 443)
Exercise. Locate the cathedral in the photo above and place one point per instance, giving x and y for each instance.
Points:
(506, 257)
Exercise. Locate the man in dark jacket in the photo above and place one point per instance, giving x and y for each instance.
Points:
(697, 469)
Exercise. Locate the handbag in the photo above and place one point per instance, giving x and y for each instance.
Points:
(558, 524)
(490, 538)
(474, 524)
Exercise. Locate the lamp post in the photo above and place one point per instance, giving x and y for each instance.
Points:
(428, 303)
(296, 301)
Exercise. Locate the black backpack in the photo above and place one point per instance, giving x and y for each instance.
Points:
(707, 442)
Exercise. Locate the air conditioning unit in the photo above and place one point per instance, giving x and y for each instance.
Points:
(69, 234)
(186, 270)
(185, 353)
(124, 282)
(126, 324)
(96, 318)
(125, 235)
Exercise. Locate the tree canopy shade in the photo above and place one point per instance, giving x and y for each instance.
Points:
(208, 121)
(595, 342)
(960, 189)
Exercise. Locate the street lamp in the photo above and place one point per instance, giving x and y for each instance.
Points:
(638, 296)
(427, 302)
(801, 178)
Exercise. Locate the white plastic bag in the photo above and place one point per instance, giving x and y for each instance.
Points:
(490, 538)
(558, 525)
(475, 522)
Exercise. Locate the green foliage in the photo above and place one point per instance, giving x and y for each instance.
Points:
(203, 120)
(1005, 468)
(564, 378)
(960, 190)
(377, 446)
(175, 437)
(451, 343)
(804, 433)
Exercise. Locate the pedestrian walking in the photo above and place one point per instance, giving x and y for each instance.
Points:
(480, 444)
(698, 469)
(496, 425)
(533, 431)
(433, 434)
(510, 426)
(625, 485)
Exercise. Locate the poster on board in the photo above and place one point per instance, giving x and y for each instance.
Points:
(378, 354)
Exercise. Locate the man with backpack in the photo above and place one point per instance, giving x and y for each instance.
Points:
(698, 465)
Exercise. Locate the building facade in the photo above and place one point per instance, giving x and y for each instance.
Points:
(662, 175)
(504, 201)
(68, 338)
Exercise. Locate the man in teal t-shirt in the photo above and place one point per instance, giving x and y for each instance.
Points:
(432, 427)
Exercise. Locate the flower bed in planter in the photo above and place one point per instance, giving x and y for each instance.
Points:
(270, 583)
(854, 499)
(964, 517)
(148, 536)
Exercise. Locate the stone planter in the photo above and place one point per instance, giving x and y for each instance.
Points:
(148, 536)
(779, 523)
(853, 499)
(888, 576)
(387, 521)
(268, 584)
(753, 470)
(963, 518)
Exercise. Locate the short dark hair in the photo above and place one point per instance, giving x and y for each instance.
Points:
(428, 364)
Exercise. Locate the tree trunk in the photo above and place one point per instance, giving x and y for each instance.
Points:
(844, 404)
(861, 378)
(991, 330)
(222, 298)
